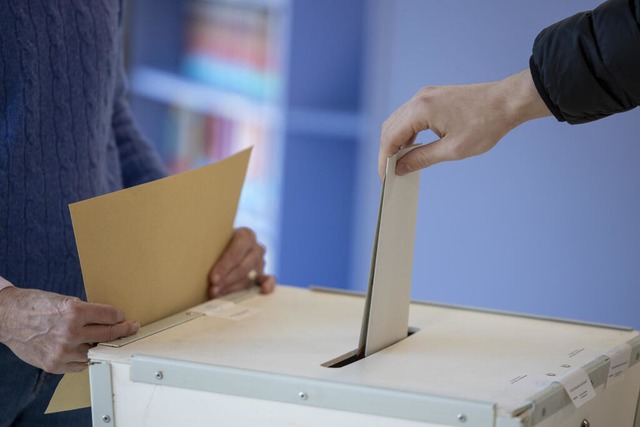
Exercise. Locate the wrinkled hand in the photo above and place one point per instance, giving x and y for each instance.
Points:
(54, 332)
(468, 119)
(240, 266)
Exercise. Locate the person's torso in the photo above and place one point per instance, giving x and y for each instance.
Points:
(58, 74)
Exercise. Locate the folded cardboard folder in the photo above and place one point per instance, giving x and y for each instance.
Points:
(148, 249)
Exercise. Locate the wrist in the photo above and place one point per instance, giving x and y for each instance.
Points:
(522, 100)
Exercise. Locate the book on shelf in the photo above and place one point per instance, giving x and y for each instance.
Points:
(227, 97)
(191, 139)
(231, 45)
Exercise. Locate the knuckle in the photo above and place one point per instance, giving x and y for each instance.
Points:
(258, 263)
(425, 93)
(424, 98)
(388, 130)
(249, 233)
(72, 307)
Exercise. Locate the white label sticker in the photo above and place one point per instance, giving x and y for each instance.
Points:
(578, 386)
(236, 312)
(619, 358)
(225, 310)
(214, 306)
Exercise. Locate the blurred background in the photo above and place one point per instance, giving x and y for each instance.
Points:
(546, 223)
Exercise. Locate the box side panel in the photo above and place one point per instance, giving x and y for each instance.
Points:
(304, 391)
(140, 404)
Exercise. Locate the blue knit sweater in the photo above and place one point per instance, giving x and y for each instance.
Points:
(66, 132)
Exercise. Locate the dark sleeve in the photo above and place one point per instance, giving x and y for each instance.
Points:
(587, 67)
(139, 160)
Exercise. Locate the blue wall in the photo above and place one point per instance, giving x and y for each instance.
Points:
(548, 222)
(323, 89)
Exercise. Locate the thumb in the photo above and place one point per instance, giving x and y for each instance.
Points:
(422, 157)
(105, 333)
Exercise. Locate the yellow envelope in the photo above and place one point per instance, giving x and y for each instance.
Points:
(148, 249)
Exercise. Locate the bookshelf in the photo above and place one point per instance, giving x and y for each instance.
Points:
(216, 90)
(211, 77)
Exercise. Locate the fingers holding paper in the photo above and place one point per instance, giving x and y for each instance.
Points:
(468, 119)
(240, 266)
(54, 332)
(463, 117)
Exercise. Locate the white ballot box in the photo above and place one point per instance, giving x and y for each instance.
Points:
(263, 361)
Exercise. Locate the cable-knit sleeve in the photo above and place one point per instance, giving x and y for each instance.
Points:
(587, 66)
(139, 160)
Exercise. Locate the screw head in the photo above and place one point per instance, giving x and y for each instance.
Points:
(106, 418)
(585, 423)
(462, 418)
(303, 396)
(158, 375)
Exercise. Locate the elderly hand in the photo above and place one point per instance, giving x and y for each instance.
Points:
(54, 332)
(240, 266)
(468, 119)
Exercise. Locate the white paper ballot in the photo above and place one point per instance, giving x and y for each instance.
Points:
(386, 314)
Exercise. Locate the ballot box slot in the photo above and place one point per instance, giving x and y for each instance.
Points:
(356, 355)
